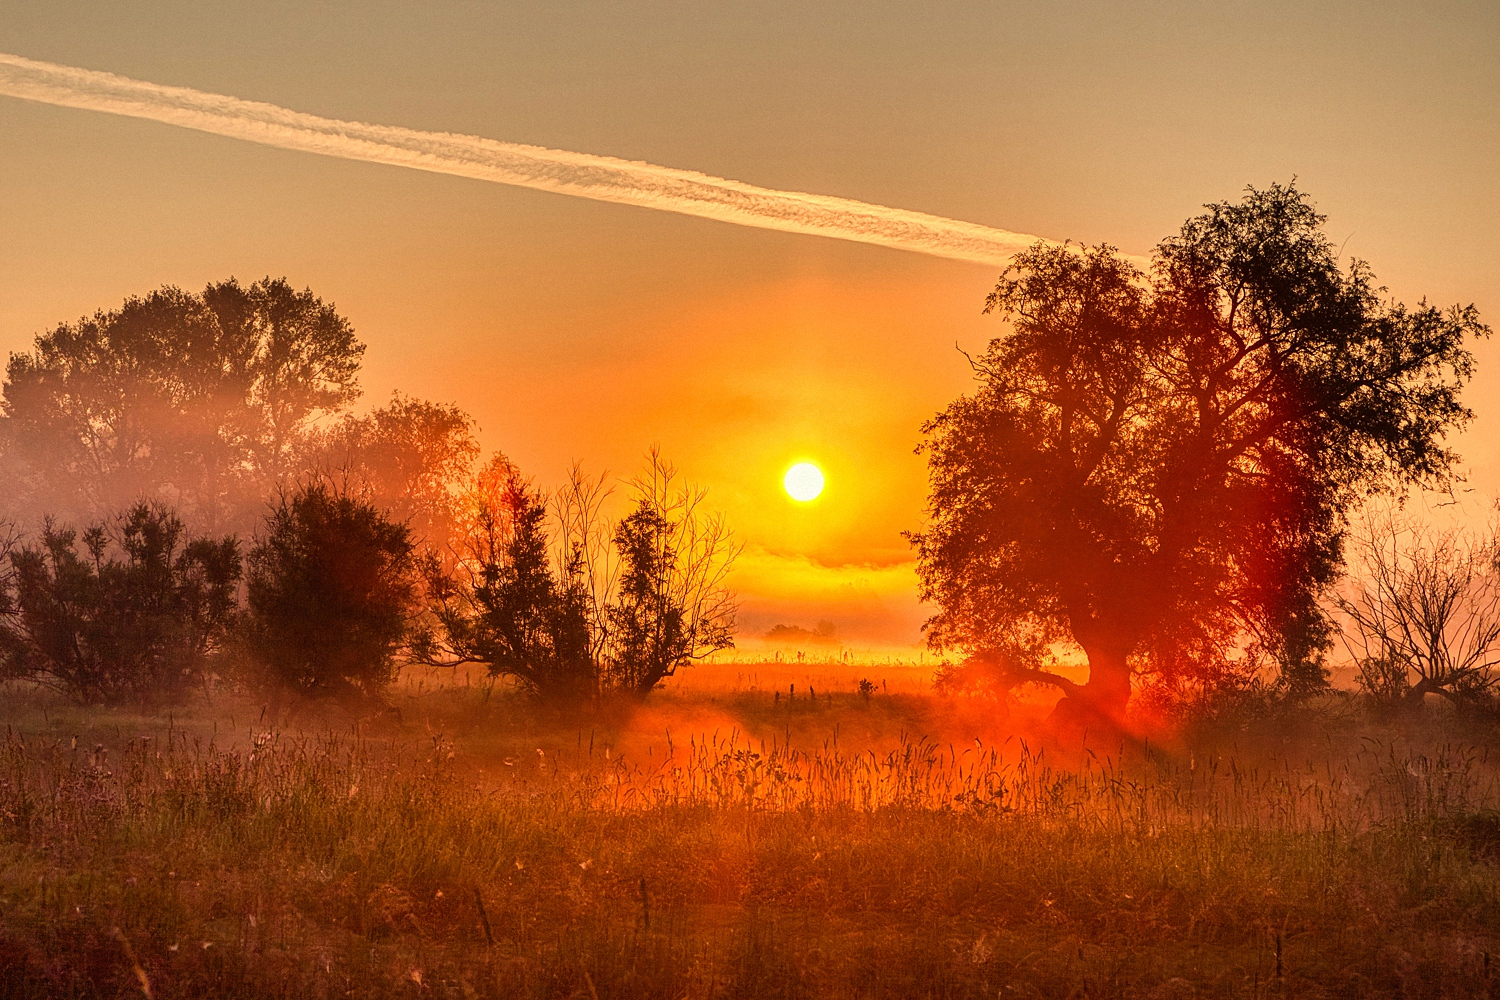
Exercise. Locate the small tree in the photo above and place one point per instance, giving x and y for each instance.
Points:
(670, 605)
(514, 613)
(333, 589)
(1423, 615)
(139, 615)
(611, 609)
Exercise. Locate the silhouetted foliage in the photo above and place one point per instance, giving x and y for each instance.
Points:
(611, 609)
(410, 458)
(515, 614)
(1157, 471)
(138, 615)
(333, 594)
(670, 605)
(192, 399)
(990, 676)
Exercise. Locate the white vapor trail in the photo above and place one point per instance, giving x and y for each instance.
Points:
(603, 178)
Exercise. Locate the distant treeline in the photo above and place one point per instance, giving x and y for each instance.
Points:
(206, 403)
(189, 502)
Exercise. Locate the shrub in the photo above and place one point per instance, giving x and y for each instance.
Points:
(612, 609)
(514, 613)
(139, 616)
(332, 593)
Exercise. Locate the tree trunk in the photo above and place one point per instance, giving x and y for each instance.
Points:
(1416, 696)
(1104, 698)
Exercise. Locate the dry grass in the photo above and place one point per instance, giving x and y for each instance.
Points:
(727, 845)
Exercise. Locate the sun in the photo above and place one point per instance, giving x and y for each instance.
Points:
(803, 481)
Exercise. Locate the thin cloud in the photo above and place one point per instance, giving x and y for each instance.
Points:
(603, 178)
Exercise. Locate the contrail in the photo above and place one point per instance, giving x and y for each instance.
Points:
(603, 178)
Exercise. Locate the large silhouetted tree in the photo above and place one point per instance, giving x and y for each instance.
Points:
(1156, 470)
(196, 400)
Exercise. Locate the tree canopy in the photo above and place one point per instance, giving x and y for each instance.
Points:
(193, 400)
(411, 457)
(1155, 469)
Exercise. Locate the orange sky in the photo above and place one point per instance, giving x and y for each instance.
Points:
(575, 329)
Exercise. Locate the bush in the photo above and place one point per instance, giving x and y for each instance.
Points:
(332, 594)
(597, 608)
(514, 613)
(139, 616)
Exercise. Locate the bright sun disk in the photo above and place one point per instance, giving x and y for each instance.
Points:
(804, 481)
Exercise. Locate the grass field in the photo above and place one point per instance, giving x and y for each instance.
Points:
(727, 840)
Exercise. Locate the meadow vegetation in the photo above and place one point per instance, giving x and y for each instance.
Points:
(732, 843)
